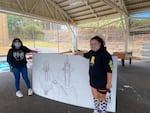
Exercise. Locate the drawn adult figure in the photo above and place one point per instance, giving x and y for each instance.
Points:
(18, 64)
(100, 71)
(67, 72)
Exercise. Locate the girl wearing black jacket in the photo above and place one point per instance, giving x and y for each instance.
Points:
(100, 71)
(18, 64)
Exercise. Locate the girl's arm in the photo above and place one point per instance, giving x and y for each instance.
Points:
(109, 80)
(108, 64)
(34, 51)
(79, 53)
(84, 54)
(27, 50)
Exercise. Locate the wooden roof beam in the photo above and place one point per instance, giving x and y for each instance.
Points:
(91, 9)
(20, 5)
(114, 6)
(122, 3)
(61, 10)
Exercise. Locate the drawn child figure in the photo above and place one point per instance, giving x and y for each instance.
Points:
(47, 78)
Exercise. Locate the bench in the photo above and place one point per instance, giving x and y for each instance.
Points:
(124, 56)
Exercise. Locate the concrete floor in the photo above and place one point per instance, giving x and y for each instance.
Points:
(133, 94)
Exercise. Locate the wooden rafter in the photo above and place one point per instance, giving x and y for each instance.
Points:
(61, 10)
(114, 6)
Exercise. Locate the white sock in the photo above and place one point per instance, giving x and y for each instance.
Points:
(96, 104)
(103, 106)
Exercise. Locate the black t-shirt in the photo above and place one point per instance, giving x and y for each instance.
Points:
(17, 57)
(100, 63)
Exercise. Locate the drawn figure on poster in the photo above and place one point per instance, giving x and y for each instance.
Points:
(47, 78)
(67, 69)
(46, 70)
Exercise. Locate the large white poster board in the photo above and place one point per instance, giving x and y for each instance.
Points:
(65, 78)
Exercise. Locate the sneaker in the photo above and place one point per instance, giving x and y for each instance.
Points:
(95, 111)
(30, 92)
(19, 94)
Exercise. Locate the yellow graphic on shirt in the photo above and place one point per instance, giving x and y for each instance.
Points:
(92, 60)
(111, 64)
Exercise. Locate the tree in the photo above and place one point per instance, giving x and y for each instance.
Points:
(24, 27)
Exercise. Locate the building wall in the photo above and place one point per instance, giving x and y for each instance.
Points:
(3, 30)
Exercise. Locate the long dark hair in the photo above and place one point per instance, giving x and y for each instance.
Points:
(12, 45)
(100, 40)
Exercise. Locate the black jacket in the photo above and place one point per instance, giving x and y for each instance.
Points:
(17, 57)
(100, 63)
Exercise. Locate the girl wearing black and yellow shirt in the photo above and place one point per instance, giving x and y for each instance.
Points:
(100, 71)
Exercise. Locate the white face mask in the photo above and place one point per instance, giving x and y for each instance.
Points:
(17, 45)
(95, 47)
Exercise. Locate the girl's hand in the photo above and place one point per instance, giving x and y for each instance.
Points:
(109, 85)
(79, 53)
(10, 68)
